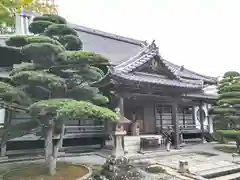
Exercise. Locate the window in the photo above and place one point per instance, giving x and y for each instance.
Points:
(188, 117)
(163, 115)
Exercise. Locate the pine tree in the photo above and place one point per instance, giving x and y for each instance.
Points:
(57, 82)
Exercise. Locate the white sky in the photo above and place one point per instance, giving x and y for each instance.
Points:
(202, 35)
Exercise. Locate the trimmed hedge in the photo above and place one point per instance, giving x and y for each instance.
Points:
(229, 132)
(10, 56)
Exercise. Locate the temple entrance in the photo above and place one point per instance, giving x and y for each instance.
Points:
(136, 115)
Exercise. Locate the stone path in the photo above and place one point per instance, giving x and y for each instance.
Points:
(197, 162)
(88, 159)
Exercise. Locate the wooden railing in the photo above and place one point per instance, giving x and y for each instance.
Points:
(7, 30)
(88, 129)
(183, 127)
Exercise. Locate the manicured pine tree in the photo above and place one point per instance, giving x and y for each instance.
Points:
(57, 82)
(227, 109)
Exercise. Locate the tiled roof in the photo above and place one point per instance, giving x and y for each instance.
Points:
(114, 47)
(185, 73)
(147, 53)
(156, 79)
(201, 96)
(140, 58)
(117, 49)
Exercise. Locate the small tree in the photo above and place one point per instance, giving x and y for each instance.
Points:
(58, 81)
(9, 9)
(227, 109)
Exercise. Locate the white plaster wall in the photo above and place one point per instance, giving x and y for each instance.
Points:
(198, 125)
(212, 90)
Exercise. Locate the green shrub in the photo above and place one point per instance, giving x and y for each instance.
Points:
(229, 132)
(38, 27)
(52, 18)
(17, 41)
(155, 169)
(224, 135)
(60, 30)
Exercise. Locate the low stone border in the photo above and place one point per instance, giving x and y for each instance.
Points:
(193, 176)
(9, 160)
(85, 177)
(88, 175)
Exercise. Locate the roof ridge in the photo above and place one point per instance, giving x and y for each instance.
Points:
(132, 59)
(156, 80)
(150, 50)
(108, 35)
(198, 74)
(195, 81)
(150, 74)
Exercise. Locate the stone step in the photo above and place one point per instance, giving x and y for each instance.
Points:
(131, 145)
(192, 140)
(134, 138)
(132, 149)
(234, 176)
(131, 142)
(218, 172)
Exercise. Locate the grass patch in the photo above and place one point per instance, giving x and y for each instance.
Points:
(226, 149)
(97, 167)
(39, 172)
(155, 169)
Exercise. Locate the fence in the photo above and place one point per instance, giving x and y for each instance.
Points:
(7, 30)
(78, 130)
(183, 127)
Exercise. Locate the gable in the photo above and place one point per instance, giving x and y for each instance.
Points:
(155, 67)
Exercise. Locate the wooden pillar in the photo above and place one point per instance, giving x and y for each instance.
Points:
(193, 117)
(201, 119)
(121, 106)
(175, 123)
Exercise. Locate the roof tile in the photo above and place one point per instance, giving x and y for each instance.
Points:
(155, 79)
(148, 53)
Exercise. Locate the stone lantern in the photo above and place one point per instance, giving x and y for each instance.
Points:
(118, 135)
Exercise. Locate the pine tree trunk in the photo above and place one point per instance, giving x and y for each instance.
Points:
(238, 145)
(47, 149)
(51, 163)
(7, 122)
(3, 149)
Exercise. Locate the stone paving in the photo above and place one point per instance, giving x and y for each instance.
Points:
(197, 162)
(196, 159)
